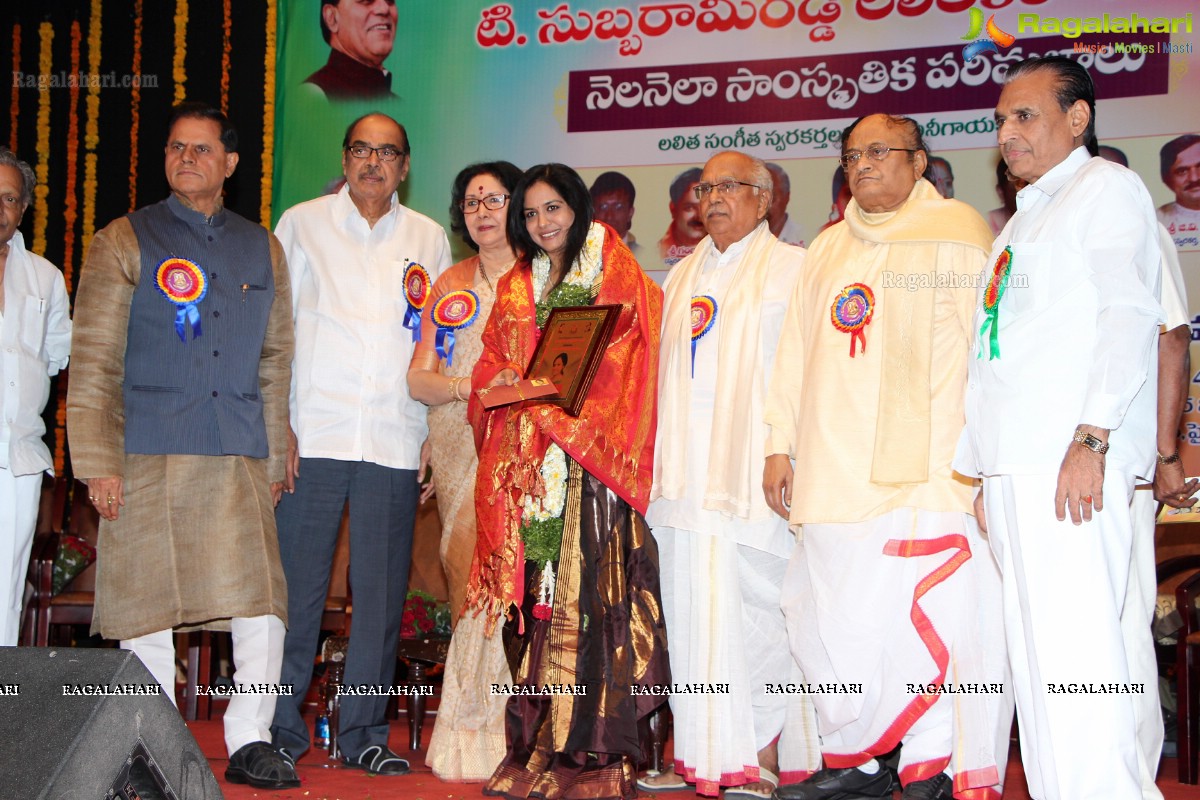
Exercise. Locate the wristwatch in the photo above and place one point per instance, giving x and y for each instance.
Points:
(1091, 442)
(1171, 459)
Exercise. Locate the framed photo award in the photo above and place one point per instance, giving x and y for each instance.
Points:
(570, 350)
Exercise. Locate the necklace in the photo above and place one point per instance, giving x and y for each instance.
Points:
(483, 274)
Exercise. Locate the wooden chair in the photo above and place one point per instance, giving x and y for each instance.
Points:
(71, 513)
(199, 644)
(1187, 667)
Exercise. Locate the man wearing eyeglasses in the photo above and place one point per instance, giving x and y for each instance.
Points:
(177, 416)
(722, 552)
(891, 597)
(357, 432)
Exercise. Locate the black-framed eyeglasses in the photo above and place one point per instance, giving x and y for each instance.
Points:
(728, 186)
(492, 202)
(876, 152)
(385, 153)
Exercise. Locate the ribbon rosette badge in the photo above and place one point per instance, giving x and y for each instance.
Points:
(416, 291)
(184, 284)
(704, 316)
(991, 303)
(852, 311)
(454, 310)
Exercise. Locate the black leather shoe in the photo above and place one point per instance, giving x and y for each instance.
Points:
(378, 760)
(939, 787)
(262, 766)
(841, 784)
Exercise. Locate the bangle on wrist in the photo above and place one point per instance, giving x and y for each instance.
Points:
(1171, 459)
(1091, 442)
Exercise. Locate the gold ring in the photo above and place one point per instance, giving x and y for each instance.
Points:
(92, 497)
(110, 499)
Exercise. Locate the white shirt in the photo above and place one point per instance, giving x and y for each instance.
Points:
(35, 343)
(1078, 326)
(686, 513)
(1174, 292)
(349, 398)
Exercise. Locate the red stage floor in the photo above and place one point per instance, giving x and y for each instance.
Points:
(322, 779)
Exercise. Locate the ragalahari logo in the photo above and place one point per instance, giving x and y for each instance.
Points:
(996, 38)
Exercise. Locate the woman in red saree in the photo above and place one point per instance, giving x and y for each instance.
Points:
(563, 550)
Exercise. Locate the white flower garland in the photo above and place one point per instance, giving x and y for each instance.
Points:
(554, 475)
(585, 272)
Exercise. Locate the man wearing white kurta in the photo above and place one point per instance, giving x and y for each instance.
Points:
(1061, 420)
(722, 552)
(358, 430)
(891, 591)
(35, 341)
(1170, 486)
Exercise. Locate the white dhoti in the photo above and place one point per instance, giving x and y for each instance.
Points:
(1078, 628)
(1137, 617)
(897, 620)
(727, 637)
(18, 518)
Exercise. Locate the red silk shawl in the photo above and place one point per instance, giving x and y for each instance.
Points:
(612, 438)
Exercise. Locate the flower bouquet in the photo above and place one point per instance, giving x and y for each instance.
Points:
(424, 617)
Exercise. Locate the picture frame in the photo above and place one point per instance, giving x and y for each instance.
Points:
(569, 352)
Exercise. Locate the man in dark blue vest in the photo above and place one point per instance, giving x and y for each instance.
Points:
(177, 415)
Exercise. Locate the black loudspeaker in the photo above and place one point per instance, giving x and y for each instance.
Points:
(88, 723)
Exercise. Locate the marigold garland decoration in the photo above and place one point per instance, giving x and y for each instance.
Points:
(852, 311)
(71, 202)
(91, 129)
(41, 211)
(180, 74)
(226, 47)
(15, 107)
(268, 151)
(135, 105)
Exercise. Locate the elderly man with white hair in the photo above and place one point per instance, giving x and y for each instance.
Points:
(723, 553)
(35, 342)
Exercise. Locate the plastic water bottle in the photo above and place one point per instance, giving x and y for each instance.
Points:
(321, 735)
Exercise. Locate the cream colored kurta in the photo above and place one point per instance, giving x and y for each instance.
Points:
(824, 405)
(195, 543)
